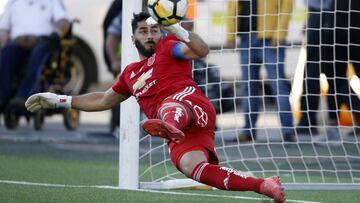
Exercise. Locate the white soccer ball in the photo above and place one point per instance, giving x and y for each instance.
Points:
(167, 12)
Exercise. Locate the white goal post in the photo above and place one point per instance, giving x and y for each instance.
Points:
(130, 112)
(327, 161)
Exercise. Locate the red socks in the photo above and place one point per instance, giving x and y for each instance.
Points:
(225, 178)
(175, 114)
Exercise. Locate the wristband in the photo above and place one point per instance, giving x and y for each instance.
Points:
(175, 29)
(179, 31)
(64, 101)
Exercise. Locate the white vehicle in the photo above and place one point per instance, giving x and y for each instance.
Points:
(91, 14)
(88, 56)
(89, 59)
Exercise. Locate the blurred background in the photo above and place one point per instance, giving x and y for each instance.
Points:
(92, 72)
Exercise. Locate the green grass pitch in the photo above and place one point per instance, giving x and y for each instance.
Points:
(36, 162)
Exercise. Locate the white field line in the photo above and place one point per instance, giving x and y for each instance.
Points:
(141, 190)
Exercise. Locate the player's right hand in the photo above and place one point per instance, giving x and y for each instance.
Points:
(47, 100)
(175, 29)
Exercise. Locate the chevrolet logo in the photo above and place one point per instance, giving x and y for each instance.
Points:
(141, 81)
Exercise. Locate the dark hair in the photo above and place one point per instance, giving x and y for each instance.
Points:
(137, 18)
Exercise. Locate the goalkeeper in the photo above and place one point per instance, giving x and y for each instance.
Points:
(177, 109)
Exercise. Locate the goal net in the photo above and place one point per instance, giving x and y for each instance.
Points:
(320, 153)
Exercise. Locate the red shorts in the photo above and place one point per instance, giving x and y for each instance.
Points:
(199, 135)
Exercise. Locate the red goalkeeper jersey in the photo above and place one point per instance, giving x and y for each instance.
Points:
(155, 78)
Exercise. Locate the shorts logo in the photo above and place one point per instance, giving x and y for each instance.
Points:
(201, 115)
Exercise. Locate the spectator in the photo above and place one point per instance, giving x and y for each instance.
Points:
(262, 27)
(319, 60)
(208, 77)
(113, 12)
(112, 46)
(328, 49)
(347, 49)
(29, 31)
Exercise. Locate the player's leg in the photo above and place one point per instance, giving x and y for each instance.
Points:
(274, 64)
(195, 165)
(250, 73)
(355, 59)
(37, 58)
(11, 58)
(173, 117)
(176, 113)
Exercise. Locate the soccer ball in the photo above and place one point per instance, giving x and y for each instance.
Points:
(167, 12)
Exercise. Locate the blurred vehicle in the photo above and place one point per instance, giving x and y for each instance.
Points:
(87, 51)
(209, 15)
(57, 73)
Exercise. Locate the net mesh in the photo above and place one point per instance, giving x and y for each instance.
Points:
(327, 149)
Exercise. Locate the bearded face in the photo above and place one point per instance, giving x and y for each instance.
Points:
(147, 52)
(146, 37)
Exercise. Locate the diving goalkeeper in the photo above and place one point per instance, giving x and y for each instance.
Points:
(178, 111)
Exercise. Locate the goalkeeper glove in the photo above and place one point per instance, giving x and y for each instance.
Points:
(175, 29)
(47, 100)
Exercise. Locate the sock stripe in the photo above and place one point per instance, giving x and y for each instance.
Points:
(199, 170)
(161, 110)
(193, 175)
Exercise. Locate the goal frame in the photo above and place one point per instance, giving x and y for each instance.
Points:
(129, 132)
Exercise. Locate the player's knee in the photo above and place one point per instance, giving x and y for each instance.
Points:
(187, 168)
(190, 160)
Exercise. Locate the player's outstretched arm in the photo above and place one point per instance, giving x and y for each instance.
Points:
(96, 101)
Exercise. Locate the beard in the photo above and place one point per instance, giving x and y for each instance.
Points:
(142, 50)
